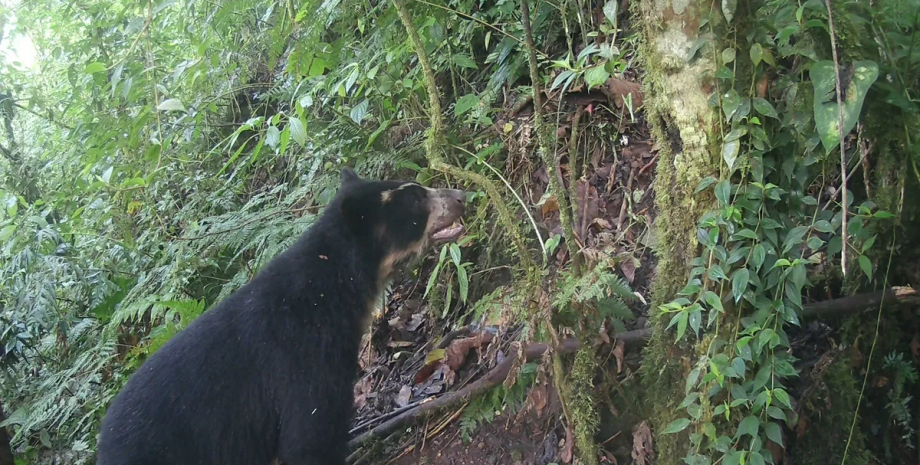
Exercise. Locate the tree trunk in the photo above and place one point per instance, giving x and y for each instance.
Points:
(684, 126)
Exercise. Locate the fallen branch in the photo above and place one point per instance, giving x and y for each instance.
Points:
(493, 378)
(827, 309)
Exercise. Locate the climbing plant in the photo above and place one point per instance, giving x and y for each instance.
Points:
(779, 217)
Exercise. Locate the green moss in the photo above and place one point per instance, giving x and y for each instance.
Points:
(828, 414)
(683, 123)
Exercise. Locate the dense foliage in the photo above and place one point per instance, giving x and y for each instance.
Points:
(158, 153)
(777, 229)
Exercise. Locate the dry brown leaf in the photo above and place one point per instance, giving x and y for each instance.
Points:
(801, 427)
(405, 393)
(551, 205)
(617, 90)
(362, 388)
(628, 267)
(643, 451)
(537, 399)
(456, 354)
(619, 352)
(568, 449)
(586, 206)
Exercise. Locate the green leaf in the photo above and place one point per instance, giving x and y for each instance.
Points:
(794, 238)
(866, 266)
(359, 111)
(728, 9)
(750, 425)
(740, 283)
(758, 256)
(464, 282)
(814, 243)
(298, 130)
(596, 76)
(823, 226)
(465, 104)
(774, 433)
(692, 379)
(171, 105)
(730, 152)
(728, 55)
(713, 301)
(677, 426)
(455, 254)
(610, 11)
(756, 54)
(723, 191)
(827, 120)
(464, 61)
(782, 397)
(272, 136)
(706, 182)
(682, 318)
(94, 68)
(695, 318)
(764, 108)
(7, 232)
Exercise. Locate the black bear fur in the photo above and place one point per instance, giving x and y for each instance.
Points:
(267, 374)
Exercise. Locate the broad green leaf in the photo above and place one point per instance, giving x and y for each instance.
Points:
(713, 301)
(728, 55)
(94, 68)
(272, 136)
(782, 397)
(728, 9)
(723, 191)
(706, 182)
(740, 283)
(610, 11)
(7, 232)
(756, 54)
(692, 379)
(750, 426)
(464, 61)
(455, 254)
(359, 111)
(827, 120)
(866, 266)
(695, 318)
(730, 153)
(682, 318)
(171, 105)
(774, 433)
(764, 108)
(465, 104)
(677, 426)
(596, 76)
(758, 256)
(298, 130)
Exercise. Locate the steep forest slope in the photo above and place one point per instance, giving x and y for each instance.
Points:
(662, 264)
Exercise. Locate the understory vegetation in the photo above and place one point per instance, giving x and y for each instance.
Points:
(692, 177)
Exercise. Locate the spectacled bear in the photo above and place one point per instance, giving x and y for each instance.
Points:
(267, 374)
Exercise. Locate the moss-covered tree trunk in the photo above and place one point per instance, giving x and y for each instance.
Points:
(678, 86)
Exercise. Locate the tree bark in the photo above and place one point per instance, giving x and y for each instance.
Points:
(678, 84)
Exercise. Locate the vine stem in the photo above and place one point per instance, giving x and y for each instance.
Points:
(840, 118)
(436, 141)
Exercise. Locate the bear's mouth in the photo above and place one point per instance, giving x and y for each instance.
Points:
(448, 233)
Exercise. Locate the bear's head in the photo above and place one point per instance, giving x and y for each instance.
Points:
(395, 221)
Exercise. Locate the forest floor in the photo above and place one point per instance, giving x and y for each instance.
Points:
(614, 207)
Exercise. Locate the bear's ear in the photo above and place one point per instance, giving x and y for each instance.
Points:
(349, 177)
